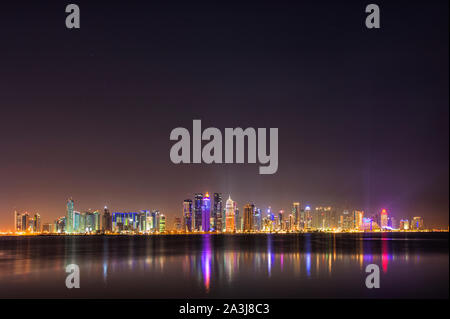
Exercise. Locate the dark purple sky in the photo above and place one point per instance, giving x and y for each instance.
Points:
(363, 115)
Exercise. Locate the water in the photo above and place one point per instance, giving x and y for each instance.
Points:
(412, 265)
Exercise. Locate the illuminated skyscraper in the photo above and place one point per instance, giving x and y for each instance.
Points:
(248, 217)
(417, 223)
(69, 226)
(229, 215)
(404, 224)
(162, 223)
(218, 212)
(107, 222)
(187, 215)
(237, 219)
(206, 213)
(17, 222)
(357, 219)
(257, 220)
(37, 223)
(280, 219)
(296, 215)
(60, 225)
(347, 220)
(76, 222)
(308, 217)
(198, 201)
(384, 219)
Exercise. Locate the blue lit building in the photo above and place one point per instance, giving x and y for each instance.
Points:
(206, 213)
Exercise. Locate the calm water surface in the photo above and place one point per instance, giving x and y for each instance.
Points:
(412, 265)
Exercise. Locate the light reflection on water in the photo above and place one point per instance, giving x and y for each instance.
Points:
(245, 266)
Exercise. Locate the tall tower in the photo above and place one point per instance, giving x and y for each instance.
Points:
(37, 223)
(384, 219)
(248, 217)
(187, 215)
(217, 212)
(107, 221)
(308, 217)
(257, 220)
(69, 216)
(17, 222)
(206, 213)
(229, 215)
(295, 215)
(198, 201)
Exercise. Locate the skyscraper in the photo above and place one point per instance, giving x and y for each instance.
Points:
(187, 215)
(248, 217)
(296, 216)
(307, 217)
(107, 222)
(37, 223)
(417, 223)
(69, 226)
(206, 213)
(229, 215)
(217, 212)
(257, 220)
(17, 222)
(198, 201)
(404, 224)
(384, 219)
(358, 219)
(162, 223)
(280, 220)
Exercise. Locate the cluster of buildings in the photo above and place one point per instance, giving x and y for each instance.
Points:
(94, 222)
(204, 213)
(26, 222)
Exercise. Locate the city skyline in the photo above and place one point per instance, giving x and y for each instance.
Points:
(219, 216)
(362, 115)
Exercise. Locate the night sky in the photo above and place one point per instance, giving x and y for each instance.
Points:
(363, 115)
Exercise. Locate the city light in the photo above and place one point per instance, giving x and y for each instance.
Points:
(208, 214)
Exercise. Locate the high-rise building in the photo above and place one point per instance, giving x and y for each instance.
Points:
(257, 224)
(248, 217)
(156, 219)
(291, 226)
(107, 221)
(218, 212)
(296, 215)
(23, 223)
(206, 213)
(60, 225)
(148, 221)
(17, 222)
(229, 215)
(128, 222)
(417, 223)
(187, 215)
(358, 219)
(307, 217)
(77, 222)
(69, 226)
(36, 223)
(347, 220)
(198, 201)
(404, 224)
(162, 223)
(384, 219)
